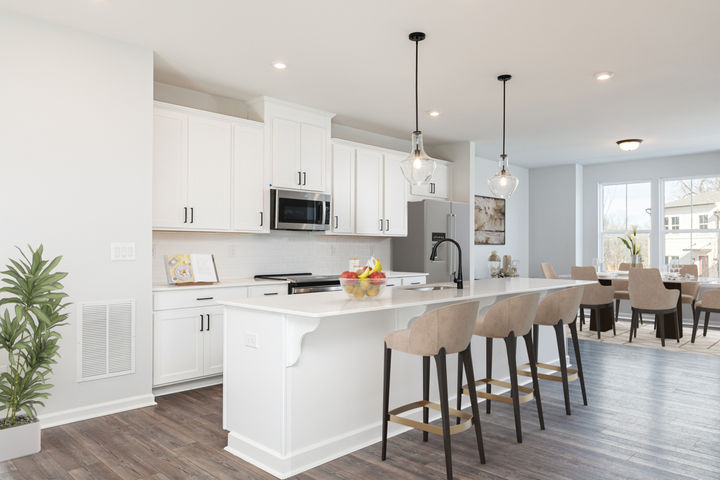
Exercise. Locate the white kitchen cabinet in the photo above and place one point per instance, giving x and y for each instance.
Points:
(209, 164)
(395, 196)
(439, 186)
(170, 166)
(287, 171)
(343, 189)
(416, 280)
(369, 192)
(178, 352)
(248, 199)
(314, 141)
(213, 341)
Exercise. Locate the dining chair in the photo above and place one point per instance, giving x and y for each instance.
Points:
(709, 303)
(621, 288)
(596, 297)
(649, 295)
(689, 290)
(548, 270)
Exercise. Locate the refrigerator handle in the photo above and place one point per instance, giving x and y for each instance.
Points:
(451, 251)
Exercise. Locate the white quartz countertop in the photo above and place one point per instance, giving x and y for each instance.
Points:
(329, 304)
(238, 282)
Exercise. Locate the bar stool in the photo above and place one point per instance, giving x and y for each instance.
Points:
(507, 319)
(435, 334)
(555, 310)
(709, 303)
(595, 297)
(649, 295)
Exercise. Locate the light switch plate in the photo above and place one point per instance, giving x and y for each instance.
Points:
(120, 252)
(251, 340)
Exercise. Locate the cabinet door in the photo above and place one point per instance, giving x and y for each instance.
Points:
(313, 146)
(368, 192)
(438, 186)
(178, 345)
(209, 167)
(213, 341)
(343, 189)
(286, 153)
(170, 169)
(247, 179)
(395, 198)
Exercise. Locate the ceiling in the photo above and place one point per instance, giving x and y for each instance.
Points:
(354, 59)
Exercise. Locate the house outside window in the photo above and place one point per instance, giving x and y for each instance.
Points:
(623, 206)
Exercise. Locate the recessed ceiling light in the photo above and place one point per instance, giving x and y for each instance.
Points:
(279, 65)
(602, 76)
(434, 113)
(629, 145)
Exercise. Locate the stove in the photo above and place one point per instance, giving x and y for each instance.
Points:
(306, 282)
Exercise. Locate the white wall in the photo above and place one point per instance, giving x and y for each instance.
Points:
(75, 172)
(516, 219)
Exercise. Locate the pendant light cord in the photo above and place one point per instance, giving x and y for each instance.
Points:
(416, 86)
(503, 133)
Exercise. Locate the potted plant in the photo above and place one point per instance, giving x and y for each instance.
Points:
(630, 241)
(31, 310)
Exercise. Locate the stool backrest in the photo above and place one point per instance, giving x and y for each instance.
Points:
(559, 306)
(448, 327)
(515, 314)
(647, 291)
(583, 273)
(548, 270)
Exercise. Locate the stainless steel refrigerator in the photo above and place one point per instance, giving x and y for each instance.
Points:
(428, 222)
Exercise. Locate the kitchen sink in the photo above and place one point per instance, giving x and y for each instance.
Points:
(430, 288)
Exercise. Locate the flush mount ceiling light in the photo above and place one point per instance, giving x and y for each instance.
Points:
(418, 167)
(630, 144)
(602, 76)
(503, 184)
(434, 113)
(279, 65)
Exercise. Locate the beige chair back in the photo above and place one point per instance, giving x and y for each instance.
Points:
(548, 270)
(625, 267)
(515, 314)
(595, 294)
(562, 305)
(691, 269)
(711, 298)
(583, 273)
(647, 291)
(450, 327)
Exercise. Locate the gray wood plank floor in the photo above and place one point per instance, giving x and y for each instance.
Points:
(651, 414)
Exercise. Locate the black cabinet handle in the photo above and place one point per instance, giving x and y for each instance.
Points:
(387, 225)
(270, 293)
(192, 214)
(381, 222)
(414, 283)
(202, 322)
(261, 219)
(336, 221)
(185, 221)
(204, 298)
(304, 178)
(299, 178)
(208, 319)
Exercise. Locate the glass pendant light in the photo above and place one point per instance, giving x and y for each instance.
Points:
(503, 184)
(418, 167)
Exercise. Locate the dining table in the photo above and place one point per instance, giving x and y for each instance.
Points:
(671, 281)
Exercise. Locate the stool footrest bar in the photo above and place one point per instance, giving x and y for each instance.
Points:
(572, 373)
(528, 391)
(426, 427)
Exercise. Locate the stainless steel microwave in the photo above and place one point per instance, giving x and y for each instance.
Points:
(291, 210)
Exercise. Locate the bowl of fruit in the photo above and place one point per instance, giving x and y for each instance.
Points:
(367, 282)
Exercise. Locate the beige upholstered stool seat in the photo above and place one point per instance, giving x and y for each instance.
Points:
(435, 334)
(507, 319)
(709, 303)
(555, 310)
(649, 295)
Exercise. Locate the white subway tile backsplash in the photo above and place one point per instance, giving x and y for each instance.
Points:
(240, 255)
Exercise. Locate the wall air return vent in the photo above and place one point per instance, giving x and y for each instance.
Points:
(106, 339)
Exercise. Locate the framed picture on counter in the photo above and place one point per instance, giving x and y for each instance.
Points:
(489, 220)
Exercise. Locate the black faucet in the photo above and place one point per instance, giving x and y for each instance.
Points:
(433, 255)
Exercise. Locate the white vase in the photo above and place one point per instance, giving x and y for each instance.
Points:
(19, 441)
(635, 260)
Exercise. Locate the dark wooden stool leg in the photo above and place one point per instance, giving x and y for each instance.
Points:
(661, 322)
(440, 363)
(536, 334)
(386, 400)
(576, 347)
(426, 393)
(461, 360)
(633, 318)
(488, 369)
(470, 375)
(582, 318)
(533, 370)
(511, 347)
(677, 325)
(563, 363)
(696, 319)
(707, 320)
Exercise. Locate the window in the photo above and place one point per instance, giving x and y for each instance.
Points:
(623, 207)
(694, 237)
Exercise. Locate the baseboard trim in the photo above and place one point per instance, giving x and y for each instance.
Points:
(189, 385)
(96, 410)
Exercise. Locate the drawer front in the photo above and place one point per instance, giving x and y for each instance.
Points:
(204, 297)
(268, 290)
(419, 280)
(392, 282)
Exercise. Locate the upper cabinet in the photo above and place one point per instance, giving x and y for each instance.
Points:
(208, 172)
(439, 185)
(394, 196)
(343, 189)
(297, 139)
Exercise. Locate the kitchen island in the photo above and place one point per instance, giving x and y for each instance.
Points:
(303, 373)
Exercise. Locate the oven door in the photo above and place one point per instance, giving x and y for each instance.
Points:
(293, 210)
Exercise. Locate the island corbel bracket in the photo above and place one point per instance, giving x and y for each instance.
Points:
(295, 330)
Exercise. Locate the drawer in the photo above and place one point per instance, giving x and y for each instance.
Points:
(203, 297)
(268, 290)
(392, 282)
(419, 280)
